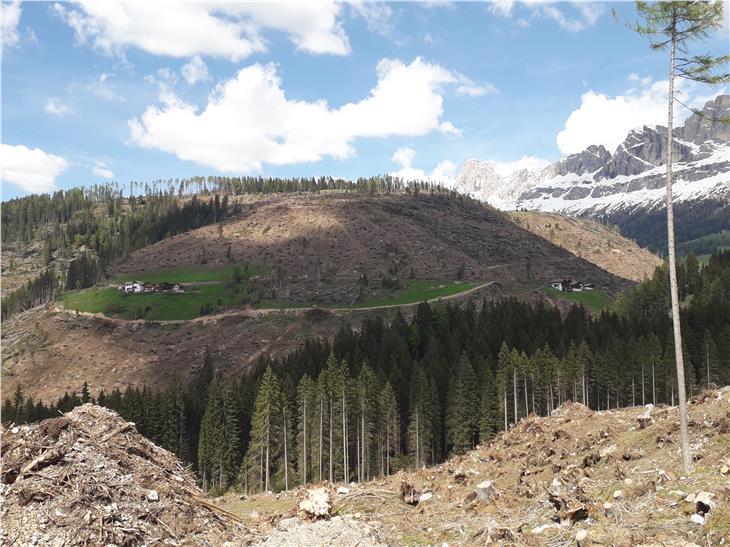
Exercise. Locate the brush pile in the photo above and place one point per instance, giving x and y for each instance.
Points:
(88, 478)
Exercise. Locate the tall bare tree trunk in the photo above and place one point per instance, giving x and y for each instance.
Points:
(505, 407)
(643, 398)
(527, 401)
(514, 390)
(304, 439)
(286, 454)
(681, 393)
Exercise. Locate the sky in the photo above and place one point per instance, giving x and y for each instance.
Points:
(100, 91)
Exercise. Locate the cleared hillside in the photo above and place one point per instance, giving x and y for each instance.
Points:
(593, 241)
(339, 248)
(599, 476)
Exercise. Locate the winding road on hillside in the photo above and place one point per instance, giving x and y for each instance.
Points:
(258, 312)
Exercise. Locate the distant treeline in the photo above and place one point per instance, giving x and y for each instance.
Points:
(409, 393)
(693, 220)
(90, 228)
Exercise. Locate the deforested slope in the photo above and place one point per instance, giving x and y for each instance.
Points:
(577, 477)
(600, 244)
(329, 244)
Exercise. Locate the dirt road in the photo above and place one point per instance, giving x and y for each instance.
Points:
(258, 312)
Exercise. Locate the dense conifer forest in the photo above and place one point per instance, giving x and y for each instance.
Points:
(412, 392)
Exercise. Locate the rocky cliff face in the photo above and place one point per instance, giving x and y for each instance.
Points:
(712, 125)
(596, 182)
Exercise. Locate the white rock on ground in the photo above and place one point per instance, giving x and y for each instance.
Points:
(317, 504)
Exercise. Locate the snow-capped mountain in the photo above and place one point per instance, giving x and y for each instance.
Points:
(596, 182)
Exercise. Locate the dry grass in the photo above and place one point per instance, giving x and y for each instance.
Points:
(597, 243)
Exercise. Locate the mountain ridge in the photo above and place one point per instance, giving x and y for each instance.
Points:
(595, 182)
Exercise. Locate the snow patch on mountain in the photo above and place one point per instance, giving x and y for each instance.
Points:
(595, 182)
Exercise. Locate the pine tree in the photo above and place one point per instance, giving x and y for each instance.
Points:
(672, 25)
(389, 427)
(265, 449)
(420, 429)
(307, 404)
(367, 411)
(504, 375)
(463, 408)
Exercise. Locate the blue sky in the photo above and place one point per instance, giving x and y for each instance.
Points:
(97, 91)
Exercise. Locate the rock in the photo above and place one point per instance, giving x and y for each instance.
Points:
(607, 451)
(316, 504)
(725, 470)
(425, 497)
(152, 495)
(618, 494)
(697, 519)
(581, 538)
(485, 491)
(690, 498)
(343, 490)
(609, 510)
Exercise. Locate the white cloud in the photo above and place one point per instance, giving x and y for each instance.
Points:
(32, 38)
(378, 16)
(248, 120)
(605, 120)
(404, 156)
(227, 30)
(9, 18)
(100, 86)
(588, 13)
(443, 173)
(195, 71)
(56, 107)
(102, 171)
(531, 163)
(448, 129)
(501, 7)
(474, 90)
(32, 170)
(430, 40)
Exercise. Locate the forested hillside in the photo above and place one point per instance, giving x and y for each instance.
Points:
(407, 393)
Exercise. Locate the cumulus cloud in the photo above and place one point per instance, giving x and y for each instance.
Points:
(101, 170)
(226, 30)
(443, 173)
(56, 107)
(10, 17)
(601, 119)
(195, 71)
(249, 121)
(32, 170)
(531, 163)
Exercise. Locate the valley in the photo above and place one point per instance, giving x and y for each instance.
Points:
(285, 268)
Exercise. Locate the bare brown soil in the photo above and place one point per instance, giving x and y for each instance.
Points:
(596, 242)
(578, 470)
(51, 353)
